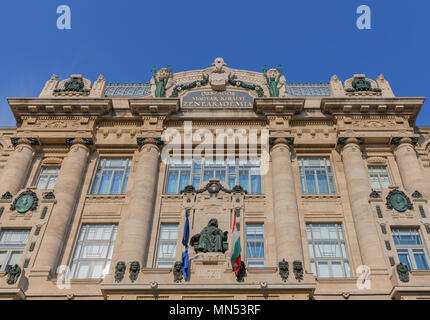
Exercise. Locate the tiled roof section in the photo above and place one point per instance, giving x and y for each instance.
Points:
(308, 89)
(127, 89)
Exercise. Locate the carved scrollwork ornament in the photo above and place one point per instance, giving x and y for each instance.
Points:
(27, 141)
(374, 195)
(49, 196)
(7, 196)
(134, 270)
(25, 202)
(417, 195)
(120, 271)
(188, 189)
(284, 269)
(141, 141)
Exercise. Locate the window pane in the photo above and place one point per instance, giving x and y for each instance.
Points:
(184, 180)
(256, 184)
(420, 259)
(316, 176)
(172, 182)
(105, 182)
(337, 269)
(15, 257)
(243, 179)
(93, 251)
(323, 271)
(116, 183)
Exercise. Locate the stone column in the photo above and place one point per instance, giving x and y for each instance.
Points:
(410, 169)
(16, 170)
(67, 190)
(137, 225)
(359, 189)
(286, 215)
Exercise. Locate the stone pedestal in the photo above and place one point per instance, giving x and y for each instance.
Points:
(67, 190)
(288, 236)
(358, 182)
(16, 169)
(413, 176)
(137, 225)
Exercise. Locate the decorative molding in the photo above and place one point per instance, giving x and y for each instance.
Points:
(83, 141)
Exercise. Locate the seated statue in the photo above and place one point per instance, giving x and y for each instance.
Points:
(210, 239)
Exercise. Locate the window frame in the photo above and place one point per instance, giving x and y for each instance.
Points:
(44, 166)
(225, 168)
(379, 176)
(12, 249)
(166, 241)
(332, 188)
(81, 243)
(411, 247)
(343, 259)
(126, 176)
(263, 241)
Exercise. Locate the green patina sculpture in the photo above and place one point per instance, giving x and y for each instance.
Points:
(120, 271)
(13, 274)
(161, 78)
(134, 270)
(210, 239)
(399, 201)
(26, 201)
(298, 270)
(272, 79)
(403, 272)
(361, 84)
(177, 272)
(187, 86)
(283, 269)
(74, 84)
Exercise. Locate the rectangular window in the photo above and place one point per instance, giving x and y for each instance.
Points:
(12, 244)
(379, 177)
(410, 248)
(181, 173)
(316, 176)
(255, 245)
(93, 252)
(166, 255)
(111, 176)
(327, 250)
(47, 178)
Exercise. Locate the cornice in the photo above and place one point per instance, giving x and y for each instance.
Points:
(279, 106)
(373, 105)
(58, 107)
(154, 106)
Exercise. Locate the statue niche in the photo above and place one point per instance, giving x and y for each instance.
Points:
(210, 239)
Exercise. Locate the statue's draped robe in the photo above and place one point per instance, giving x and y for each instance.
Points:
(211, 239)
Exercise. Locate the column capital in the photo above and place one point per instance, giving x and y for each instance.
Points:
(286, 142)
(84, 141)
(142, 141)
(397, 141)
(344, 141)
(27, 141)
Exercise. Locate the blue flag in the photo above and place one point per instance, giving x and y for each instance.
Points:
(185, 264)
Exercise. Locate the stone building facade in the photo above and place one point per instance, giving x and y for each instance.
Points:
(331, 201)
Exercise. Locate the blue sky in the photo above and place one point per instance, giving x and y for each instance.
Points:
(312, 39)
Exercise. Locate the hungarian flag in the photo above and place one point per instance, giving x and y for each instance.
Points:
(235, 248)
